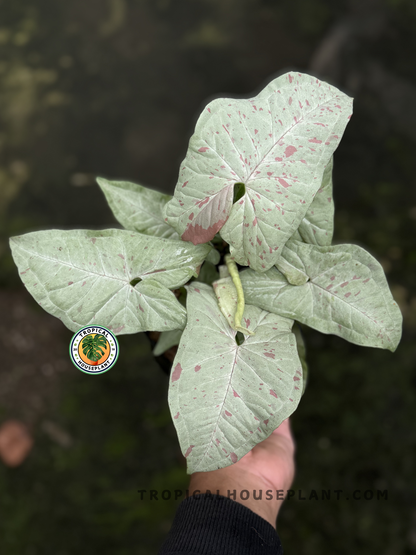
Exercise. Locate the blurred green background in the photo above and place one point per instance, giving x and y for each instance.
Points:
(113, 88)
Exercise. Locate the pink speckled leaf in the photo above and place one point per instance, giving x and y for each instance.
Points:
(277, 144)
(225, 398)
(138, 208)
(89, 277)
(347, 295)
(317, 226)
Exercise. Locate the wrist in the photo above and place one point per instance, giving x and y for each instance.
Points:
(247, 492)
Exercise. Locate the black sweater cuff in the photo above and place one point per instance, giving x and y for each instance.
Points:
(213, 524)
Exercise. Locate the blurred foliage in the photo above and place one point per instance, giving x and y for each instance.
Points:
(121, 435)
(113, 88)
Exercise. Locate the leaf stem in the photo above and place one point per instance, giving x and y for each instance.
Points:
(232, 268)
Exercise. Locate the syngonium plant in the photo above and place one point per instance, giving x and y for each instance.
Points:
(254, 191)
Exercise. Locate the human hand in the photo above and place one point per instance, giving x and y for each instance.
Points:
(268, 466)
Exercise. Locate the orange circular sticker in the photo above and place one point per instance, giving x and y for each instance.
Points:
(94, 349)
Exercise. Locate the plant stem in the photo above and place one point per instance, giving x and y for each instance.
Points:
(232, 268)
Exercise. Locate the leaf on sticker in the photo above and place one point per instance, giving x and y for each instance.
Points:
(277, 146)
(114, 278)
(138, 208)
(94, 346)
(225, 398)
(226, 294)
(347, 295)
(317, 226)
(167, 339)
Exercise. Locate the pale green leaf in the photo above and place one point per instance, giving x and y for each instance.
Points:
(138, 208)
(167, 339)
(277, 144)
(317, 226)
(89, 277)
(292, 264)
(347, 295)
(225, 398)
(213, 256)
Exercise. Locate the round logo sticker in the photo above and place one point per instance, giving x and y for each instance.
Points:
(94, 349)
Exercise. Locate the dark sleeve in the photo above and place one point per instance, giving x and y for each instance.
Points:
(213, 524)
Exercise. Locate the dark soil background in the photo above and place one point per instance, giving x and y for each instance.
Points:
(113, 88)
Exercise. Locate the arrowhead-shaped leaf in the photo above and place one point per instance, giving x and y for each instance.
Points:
(277, 144)
(138, 208)
(347, 295)
(114, 278)
(317, 226)
(225, 398)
